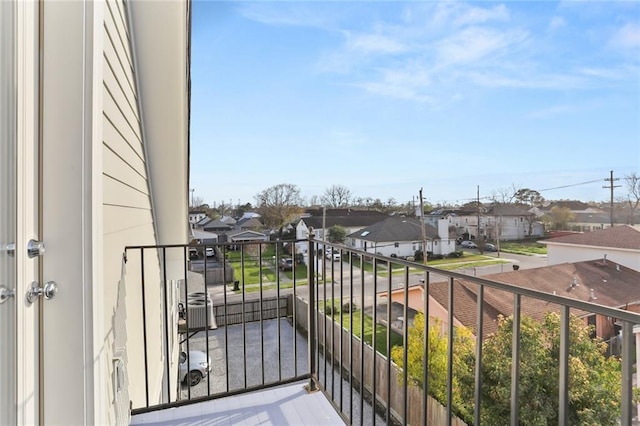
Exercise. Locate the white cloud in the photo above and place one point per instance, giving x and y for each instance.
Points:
(556, 22)
(627, 37)
(373, 43)
(553, 111)
(478, 15)
(475, 43)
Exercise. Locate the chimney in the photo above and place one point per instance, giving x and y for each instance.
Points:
(604, 260)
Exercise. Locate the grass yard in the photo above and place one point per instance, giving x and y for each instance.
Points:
(381, 329)
(523, 247)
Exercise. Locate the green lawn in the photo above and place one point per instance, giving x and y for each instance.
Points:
(520, 247)
(381, 329)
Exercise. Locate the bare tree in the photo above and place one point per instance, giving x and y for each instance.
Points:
(633, 197)
(504, 195)
(197, 201)
(336, 196)
(279, 205)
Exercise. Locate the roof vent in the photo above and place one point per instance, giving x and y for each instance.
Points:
(604, 260)
(618, 268)
(574, 283)
(592, 295)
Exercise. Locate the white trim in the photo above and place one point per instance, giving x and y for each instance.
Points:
(26, 219)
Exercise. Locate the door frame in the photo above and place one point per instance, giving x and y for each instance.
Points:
(27, 209)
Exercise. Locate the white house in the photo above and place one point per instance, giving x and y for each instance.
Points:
(94, 158)
(620, 244)
(401, 237)
(498, 221)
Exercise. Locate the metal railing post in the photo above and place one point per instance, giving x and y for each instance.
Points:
(311, 316)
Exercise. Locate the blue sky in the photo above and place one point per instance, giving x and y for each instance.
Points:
(386, 98)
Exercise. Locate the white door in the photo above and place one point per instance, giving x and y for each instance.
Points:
(47, 363)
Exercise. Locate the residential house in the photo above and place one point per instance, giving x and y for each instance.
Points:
(94, 158)
(215, 225)
(402, 237)
(415, 296)
(196, 216)
(249, 223)
(620, 244)
(606, 283)
(497, 221)
(586, 217)
(228, 220)
(320, 220)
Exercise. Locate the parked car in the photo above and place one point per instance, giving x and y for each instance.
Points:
(209, 252)
(193, 253)
(199, 367)
(490, 247)
(468, 244)
(286, 264)
(333, 255)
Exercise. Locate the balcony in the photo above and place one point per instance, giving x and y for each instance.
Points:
(286, 348)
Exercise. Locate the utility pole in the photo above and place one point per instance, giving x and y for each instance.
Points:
(424, 232)
(611, 186)
(478, 212)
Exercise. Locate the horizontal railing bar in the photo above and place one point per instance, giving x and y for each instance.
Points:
(547, 297)
(211, 397)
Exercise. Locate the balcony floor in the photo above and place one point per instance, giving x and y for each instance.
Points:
(284, 405)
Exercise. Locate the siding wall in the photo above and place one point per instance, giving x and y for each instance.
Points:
(127, 220)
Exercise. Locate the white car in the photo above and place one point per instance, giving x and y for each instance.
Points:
(209, 252)
(468, 244)
(199, 366)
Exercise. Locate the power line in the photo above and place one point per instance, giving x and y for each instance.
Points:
(569, 186)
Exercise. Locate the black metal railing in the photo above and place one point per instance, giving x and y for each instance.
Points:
(327, 314)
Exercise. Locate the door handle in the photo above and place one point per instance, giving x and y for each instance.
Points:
(49, 291)
(35, 248)
(5, 293)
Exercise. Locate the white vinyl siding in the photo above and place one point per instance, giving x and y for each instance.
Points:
(127, 218)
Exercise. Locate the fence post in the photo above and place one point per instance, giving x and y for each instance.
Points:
(311, 319)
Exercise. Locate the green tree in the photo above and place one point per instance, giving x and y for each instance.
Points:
(278, 205)
(437, 363)
(528, 197)
(559, 218)
(594, 379)
(337, 233)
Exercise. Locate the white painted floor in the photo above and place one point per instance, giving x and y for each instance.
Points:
(284, 405)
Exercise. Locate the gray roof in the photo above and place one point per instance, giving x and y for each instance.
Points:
(395, 229)
(622, 237)
(217, 225)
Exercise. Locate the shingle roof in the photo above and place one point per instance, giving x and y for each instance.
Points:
(217, 225)
(395, 229)
(622, 237)
(612, 284)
